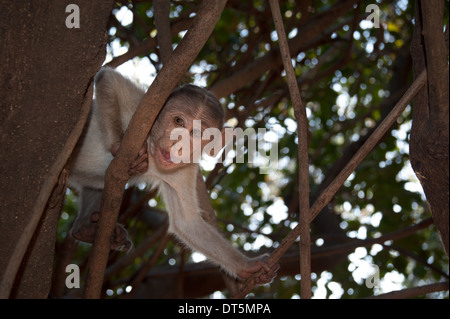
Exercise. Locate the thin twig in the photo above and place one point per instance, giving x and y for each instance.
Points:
(354, 243)
(148, 45)
(302, 132)
(140, 276)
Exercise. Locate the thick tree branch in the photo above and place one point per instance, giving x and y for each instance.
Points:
(44, 194)
(141, 123)
(429, 147)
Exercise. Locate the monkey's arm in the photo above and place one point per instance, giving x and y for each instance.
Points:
(116, 100)
(201, 236)
(187, 223)
(204, 202)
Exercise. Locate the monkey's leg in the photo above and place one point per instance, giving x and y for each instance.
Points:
(83, 228)
(85, 224)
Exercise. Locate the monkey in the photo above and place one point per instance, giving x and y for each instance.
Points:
(116, 99)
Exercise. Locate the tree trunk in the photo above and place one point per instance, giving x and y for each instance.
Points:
(46, 71)
(430, 133)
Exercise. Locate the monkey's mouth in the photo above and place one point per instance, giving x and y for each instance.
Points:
(163, 159)
(165, 156)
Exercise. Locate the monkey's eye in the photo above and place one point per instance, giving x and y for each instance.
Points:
(178, 121)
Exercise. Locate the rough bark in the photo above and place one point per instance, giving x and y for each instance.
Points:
(45, 75)
(429, 148)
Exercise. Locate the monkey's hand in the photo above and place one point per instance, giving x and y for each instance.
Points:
(140, 164)
(254, 265)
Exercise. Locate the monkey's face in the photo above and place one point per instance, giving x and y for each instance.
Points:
(176, 139)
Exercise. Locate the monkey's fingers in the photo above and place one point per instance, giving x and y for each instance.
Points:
(141, 158)
(140, 168)
(273, 270)
(267, 276)
(143, 149)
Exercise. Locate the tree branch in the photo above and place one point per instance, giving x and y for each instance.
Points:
(346, 247)
(365, 149)
(162, 22)
(44, 194)
(148, 45)
(303, 162)
(413, 292)
(326, 196)
(430, 126)
(272, 59)
(140, 275)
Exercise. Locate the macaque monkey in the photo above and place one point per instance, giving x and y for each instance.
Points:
(116, 99)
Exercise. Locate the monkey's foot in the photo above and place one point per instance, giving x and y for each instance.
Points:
(86, 233)
(119, 239)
